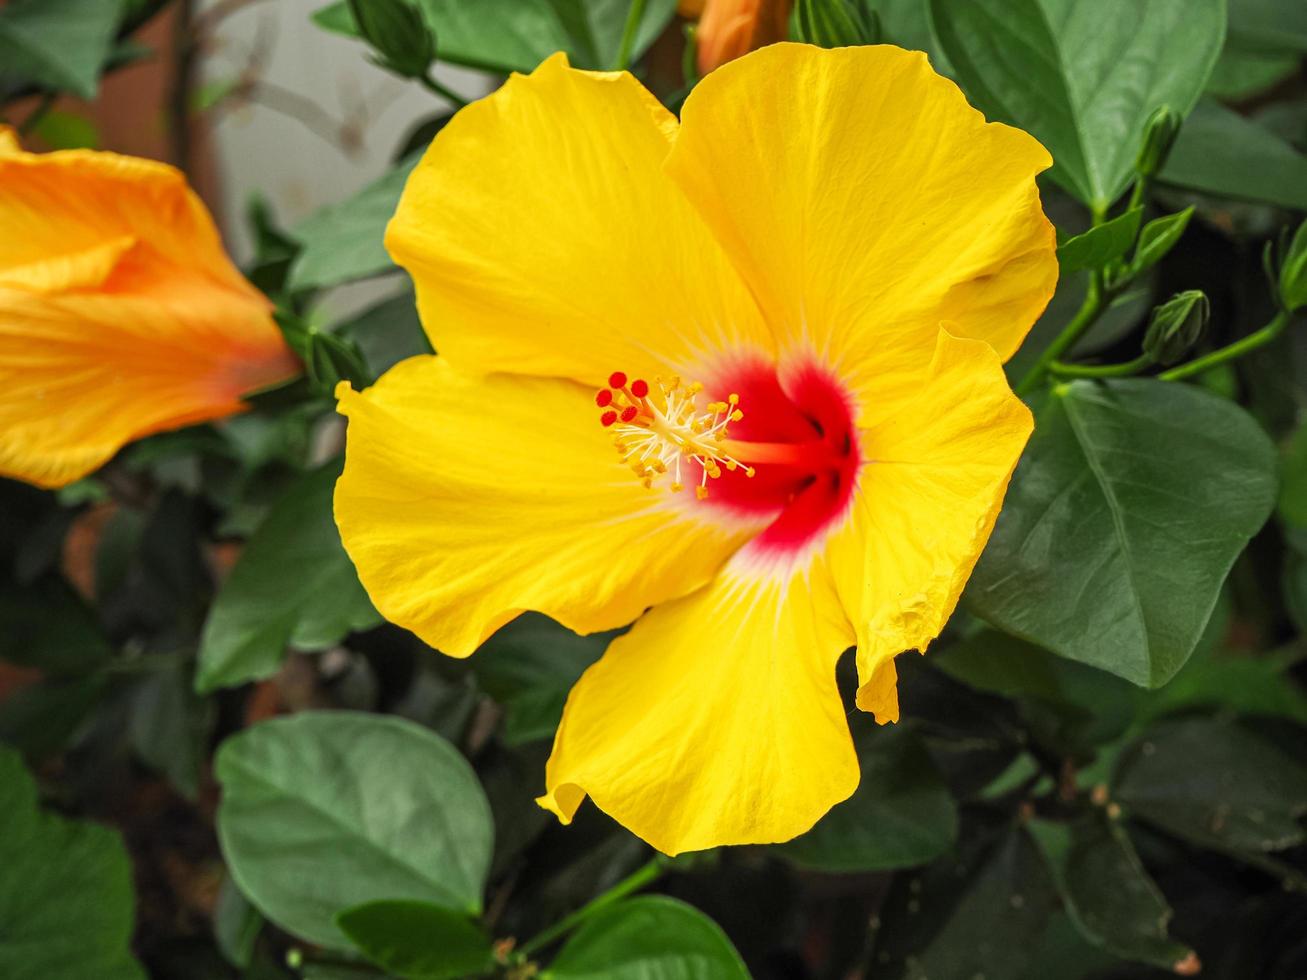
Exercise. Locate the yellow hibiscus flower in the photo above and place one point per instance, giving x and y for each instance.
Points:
(797, 300)
(120, 313)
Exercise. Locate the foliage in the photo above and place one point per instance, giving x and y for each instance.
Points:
(1102, 765)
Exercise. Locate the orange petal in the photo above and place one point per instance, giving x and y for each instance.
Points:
(120, 313)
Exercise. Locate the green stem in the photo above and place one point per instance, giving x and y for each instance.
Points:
(1090, 310)
(633, 17)
(1137, 194)
(448, 94)
(633, 882)
(1229, 352)
(1096, 302)
(1063, 370)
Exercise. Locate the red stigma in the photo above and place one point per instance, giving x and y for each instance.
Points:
(639, 387)
(607, 419)
(628, 413)
(617, 380)
(604, 398)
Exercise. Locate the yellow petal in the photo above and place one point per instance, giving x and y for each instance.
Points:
(467, 500)
(864, 202)
(544, 238)
(716, 719)
(928, 496)
(120, 314)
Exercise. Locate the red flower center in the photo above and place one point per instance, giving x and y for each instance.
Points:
(783, 447)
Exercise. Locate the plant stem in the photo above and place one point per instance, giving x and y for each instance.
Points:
(1090, 310)
(1096, 301)
(633, 17)
(444, 92)
(631, 883)
(1064, 370)
(1229, 352)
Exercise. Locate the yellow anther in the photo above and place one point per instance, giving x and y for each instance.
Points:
(736, 415)
(749, 471)
(701, 492)
(733, 398)
(677, 487)
(717, 407)
(694, 388)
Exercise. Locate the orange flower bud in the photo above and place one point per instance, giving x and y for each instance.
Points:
(690, 8)
(120, 313)
(731, 28)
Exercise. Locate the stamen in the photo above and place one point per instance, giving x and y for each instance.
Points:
(654, 435)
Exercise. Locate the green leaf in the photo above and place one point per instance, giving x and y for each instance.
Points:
(1249, 685)
(170, 727)
(345, 241)
(1158, 238)
(1101, 244)
(901, 814)
(648, 938)
(979, 912)
(323, 811)
(1106, 890)
(1055, 68)
(1132, 502)
(1223, 153)
(1216, 784)
(529, 667)
(60, 44)
(60, 130)
(43, 718)
(66, 897)
(1269, 25)
(1293, 479)
(261, 609)
(417, 940)
(1070, 705)
(48, 627)
(236, 925)
(516, 35)
(388, 332)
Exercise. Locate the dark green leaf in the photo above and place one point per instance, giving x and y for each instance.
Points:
(1100, 245)
(236, 925)
(1216, 784)
(388, 333)
(294, 586)
(66, 899)
(529, 666)
(417, 940)
(1132, 502)
(48, 627)
(1070, 705)
(979, 912)
(901, 814)
(1158, 238)
(516, 35)
(60, 44)
(170, 726)
(43, 718)
(344, 242)
(1221, 152)
(1269, 25)
(1054, 68)
(649, 938)
(1249, 685)
(323, 811)
(1106, 890)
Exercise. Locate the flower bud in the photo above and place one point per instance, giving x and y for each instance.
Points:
(1293, 272)
(836, 23)
(731, 28)
(1176, 325)
(1159, 136)
(396, 31)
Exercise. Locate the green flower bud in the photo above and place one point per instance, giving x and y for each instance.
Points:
(1159, 136)
(1293, 272)
(331, 360)
(396, 31)
(836, 23)
(1176, 325)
